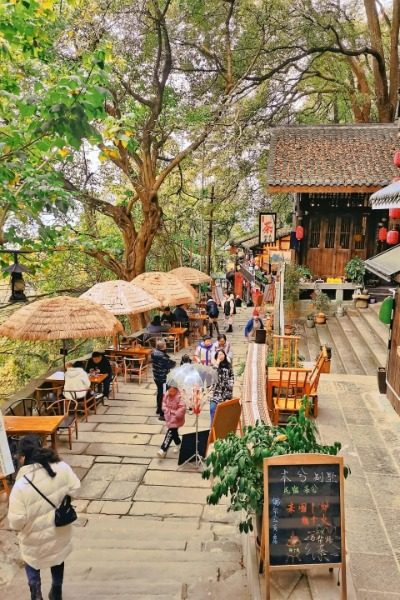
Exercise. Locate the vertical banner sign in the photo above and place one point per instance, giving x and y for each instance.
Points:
(267, 228)
(6, 463)
(304, 514)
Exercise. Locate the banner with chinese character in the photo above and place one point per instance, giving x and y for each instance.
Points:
(267, 228)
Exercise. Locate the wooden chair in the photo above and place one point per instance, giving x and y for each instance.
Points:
(285, 351)
(313, 381)
(226, 420)
(85, 404)
(26, 407)
(69, 408)
(46, 394)
(116, 370)
(172, 342)
(4, 483)
(135, 367)
(293, 385)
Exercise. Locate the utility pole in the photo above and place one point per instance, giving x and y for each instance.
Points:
(210, 232)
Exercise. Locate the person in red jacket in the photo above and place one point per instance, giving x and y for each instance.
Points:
(174, 410)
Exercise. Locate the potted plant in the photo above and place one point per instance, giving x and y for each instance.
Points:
(310, 320)
(355, 270)
(236, 463)
(321, 303)
(291, 294)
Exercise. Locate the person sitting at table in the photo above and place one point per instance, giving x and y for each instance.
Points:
(203, 352)
(155, 325)
(167, 317)
(222, 344)
(99, 363)
(77, 382)
(181, 316)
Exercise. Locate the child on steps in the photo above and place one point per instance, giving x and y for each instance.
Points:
(174, 412)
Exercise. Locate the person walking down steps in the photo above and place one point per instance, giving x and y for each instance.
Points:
(162, 364)
(229, 311)
(174, 410)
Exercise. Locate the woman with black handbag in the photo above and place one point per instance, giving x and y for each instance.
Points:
(43, 484)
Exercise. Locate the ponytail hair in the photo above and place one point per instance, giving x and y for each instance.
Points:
(30, 447)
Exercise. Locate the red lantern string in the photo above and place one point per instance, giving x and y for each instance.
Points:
(396, 158)
(393, 237)
(394, 213)
(382, 234)
(299, 232)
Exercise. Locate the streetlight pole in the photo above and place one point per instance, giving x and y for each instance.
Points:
(210, 232)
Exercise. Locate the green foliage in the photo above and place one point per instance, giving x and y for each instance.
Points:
(236, 463)
(305, 272)
(355, 270)
(293, 275)
(321, 302)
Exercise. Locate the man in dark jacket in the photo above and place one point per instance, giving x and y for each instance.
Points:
(181, 316)
(99, 362)
(213, 313)
(162, 364)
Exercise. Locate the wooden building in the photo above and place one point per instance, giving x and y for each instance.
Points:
(387, 266)
(330, 172)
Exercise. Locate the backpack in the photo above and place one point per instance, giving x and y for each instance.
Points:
(213, 311)
(227, 308)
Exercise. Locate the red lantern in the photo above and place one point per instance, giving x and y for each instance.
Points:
(393, 237)
(382, 234)
(394, 213)
(396, 158)
(299, 232)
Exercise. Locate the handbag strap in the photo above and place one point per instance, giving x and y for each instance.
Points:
(39, 492)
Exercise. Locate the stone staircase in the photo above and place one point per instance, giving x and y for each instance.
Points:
(358, 341)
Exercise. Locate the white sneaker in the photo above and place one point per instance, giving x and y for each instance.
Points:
(105, 400)
(161, 453)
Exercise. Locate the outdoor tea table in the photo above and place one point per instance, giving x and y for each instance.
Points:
(180, 333)
(201, 318)
(19, 426)
(273, 381)
(95, 380)
(130, 352)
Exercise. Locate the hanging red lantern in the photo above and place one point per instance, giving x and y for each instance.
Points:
(396, 158)
(393, 237)
(394, 213)
(382, 234)
(299, 232)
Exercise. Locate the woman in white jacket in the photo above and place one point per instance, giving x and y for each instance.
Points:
(42, 544)
(76, 380)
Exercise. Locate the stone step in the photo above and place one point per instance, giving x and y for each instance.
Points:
(325, 338)
(372, 318)
(343, 349)
(359, 346)
(368, 333)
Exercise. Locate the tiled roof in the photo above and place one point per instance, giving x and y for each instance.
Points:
(332, 156)
(387, 197)
(252, 239)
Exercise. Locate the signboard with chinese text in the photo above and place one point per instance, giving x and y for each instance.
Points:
(304, 513)
(267, 228)
(6, 463)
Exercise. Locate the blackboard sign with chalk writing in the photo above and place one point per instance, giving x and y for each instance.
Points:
(304, 513)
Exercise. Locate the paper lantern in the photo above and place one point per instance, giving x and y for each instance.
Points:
(299, 232)
(382, 233)
(357, 237)
(392, 237)
(396, 158)
(394, 213)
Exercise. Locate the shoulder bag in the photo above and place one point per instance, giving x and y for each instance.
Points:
(65, 514)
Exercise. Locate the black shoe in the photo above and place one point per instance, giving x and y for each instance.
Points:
(161, 418)
(36, 592)
(55, 592)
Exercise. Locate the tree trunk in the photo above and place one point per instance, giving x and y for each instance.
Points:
(394, 55)
(361, 102)
(385, 112)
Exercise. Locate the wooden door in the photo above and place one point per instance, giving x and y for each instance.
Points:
(332, 240)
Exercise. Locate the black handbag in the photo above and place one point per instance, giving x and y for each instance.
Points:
(65, 514)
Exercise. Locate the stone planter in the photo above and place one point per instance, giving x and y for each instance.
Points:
(361, 301)
(310, 322)
(320, 319)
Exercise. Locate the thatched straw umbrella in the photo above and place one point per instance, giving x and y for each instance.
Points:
(121, 297)
(167, 288)
(190, 275)
(60, 318)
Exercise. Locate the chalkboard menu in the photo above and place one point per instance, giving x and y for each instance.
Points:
(304, 512)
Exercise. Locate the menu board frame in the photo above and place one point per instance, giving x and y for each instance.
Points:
(305, 460)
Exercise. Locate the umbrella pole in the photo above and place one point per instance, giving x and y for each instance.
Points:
(64, 352)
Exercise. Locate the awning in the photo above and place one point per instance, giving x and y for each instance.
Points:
(386, 264)
(387, 197)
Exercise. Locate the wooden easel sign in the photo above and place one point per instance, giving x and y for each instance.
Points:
(303, 524)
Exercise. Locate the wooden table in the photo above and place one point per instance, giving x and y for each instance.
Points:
(39, 425)
(273, 381)
(59, 376)
(180, 333)
(203, 318)
(131, 351)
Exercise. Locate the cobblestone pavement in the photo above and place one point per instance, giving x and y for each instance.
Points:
(144, 530)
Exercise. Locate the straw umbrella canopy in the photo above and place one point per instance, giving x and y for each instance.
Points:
(121, 297)
(60, 318)
(190, 275)
(166, 287)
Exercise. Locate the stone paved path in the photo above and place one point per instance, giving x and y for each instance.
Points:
(145, 531)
